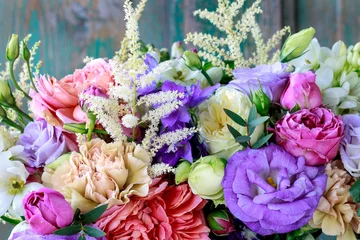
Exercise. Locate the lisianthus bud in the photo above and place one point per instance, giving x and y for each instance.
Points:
(25, 53)
(6, 96)
(296, 44)
(2, 113)
(58, 162)
(164, 54)
(182, 172)
(220, 223)
(91, 91)
(353, 56)
(192, 60)
(261, 101)
(12, 48)
(205, 178)
(177, 50)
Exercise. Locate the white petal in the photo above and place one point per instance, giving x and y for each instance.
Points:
(20, 228)
(336, 92)
(324, 77)
(6, 199)
(348, 104)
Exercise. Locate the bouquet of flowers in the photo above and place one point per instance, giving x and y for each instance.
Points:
(205, 143)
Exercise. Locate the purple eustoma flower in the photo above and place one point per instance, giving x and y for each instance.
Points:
(271, 191)
(43, 143)
(28, 234)
(273, 79)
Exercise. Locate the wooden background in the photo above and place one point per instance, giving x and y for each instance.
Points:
(72, 29)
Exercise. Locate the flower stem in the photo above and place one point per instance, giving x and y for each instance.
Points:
(10, 220)
(14, 81)
(22, 113)
(91, 126)
(208, 78)
(30, 76)
(13, 124)
(248, 133)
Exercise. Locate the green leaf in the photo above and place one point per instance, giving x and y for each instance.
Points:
(258, 121)
(93, 215)
(82, 237)
(77, 215)
(252, 114)
(207, 66)
(355, 191)
(261, 141)
(93, 232)
(236, 118)
(68, 231)
(235, 134)
(242, 139)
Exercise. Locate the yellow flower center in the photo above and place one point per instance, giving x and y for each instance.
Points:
(16, 185)
(271, 182)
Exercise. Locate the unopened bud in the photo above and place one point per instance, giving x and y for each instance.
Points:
(25, 53)
(6, 97)
(177, 50)
(192, 60)
(12, 48)
(220, 222)
(2, 113)
(182, 172)
(261, 101)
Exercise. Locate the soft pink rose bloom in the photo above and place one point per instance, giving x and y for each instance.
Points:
(46, 210)
(58, 101)
(301, 89)
(313, 133)
(168, 212)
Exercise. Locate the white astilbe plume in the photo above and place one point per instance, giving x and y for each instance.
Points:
(159, 98)
(147, 79)
(107, 111)
(160, 169)
(217, 50)
(170, 139)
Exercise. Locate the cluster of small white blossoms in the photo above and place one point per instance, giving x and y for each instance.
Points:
(159, 169)
(217, 50)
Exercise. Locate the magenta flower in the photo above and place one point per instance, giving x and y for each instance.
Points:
(46, 210)
(313, 133)
(270, 190)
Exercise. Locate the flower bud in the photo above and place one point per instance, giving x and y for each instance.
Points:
(25, 53)
(296, 44)
(6, 96)
(205, 178)
(177, 50)
(192, 60)
(2, 113)
(12, 48)
(164, 54)
(220, 223)
(182, 172)
(58, 162)
(261, 101)
(216, 74)
(91, 91)
(353, 55)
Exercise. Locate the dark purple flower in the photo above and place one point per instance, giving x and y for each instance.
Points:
(198, 95)
(271, 191)
(273, 79)
(151, 63)
(43, 143)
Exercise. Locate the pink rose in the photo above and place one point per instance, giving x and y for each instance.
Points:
(58, 101)
(47, 210)
(313, 133)
(301, 89)
(168, 212)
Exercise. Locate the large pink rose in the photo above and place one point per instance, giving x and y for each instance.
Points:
(168, 212)
(302, 90)
(58, 100)
(313, 133)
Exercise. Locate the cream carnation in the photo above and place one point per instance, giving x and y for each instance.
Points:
(101, 173)
(213, 121)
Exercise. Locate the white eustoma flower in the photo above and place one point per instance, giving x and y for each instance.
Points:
(181, 74)
(13, 185)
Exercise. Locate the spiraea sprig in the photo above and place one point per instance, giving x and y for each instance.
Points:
(226, 51)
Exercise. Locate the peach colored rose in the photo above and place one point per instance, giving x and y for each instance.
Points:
(101, 173)
(168, 212)
(58, 100)
(336, 213)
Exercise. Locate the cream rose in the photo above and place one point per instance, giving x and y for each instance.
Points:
(101, 173)
(213, 120)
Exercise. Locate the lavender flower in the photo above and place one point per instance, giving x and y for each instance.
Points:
(28, 234)
(350, 144)
(43, 143)
(271, 191)
(273, 79)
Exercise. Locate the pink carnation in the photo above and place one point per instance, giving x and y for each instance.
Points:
(168, 212)
(58, 100)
